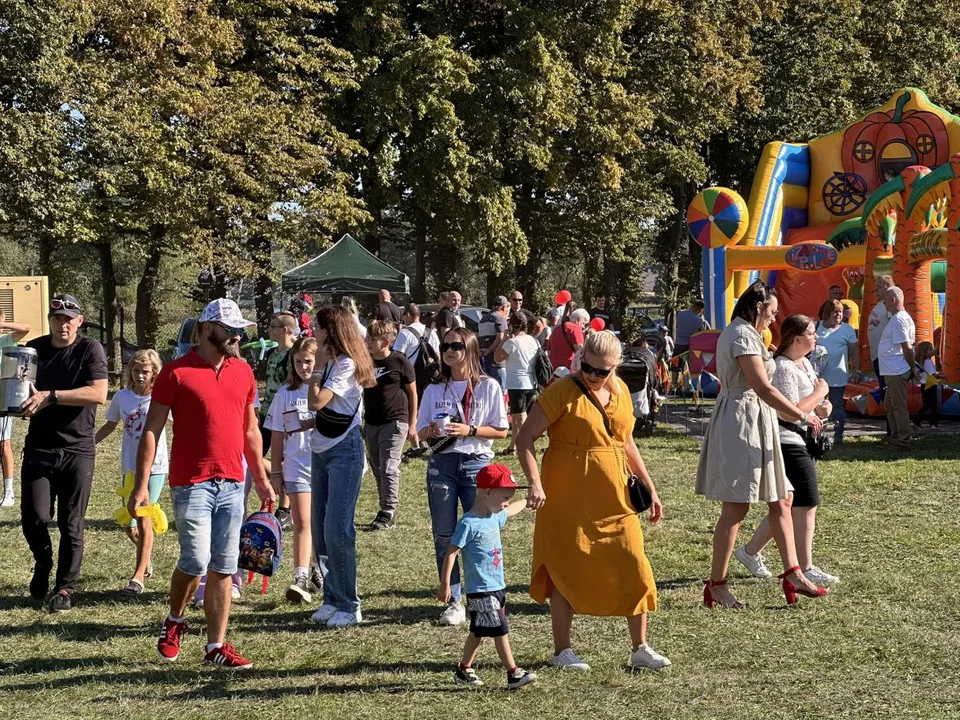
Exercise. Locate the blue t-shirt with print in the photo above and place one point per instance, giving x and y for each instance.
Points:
(479, 541)
(836, 340)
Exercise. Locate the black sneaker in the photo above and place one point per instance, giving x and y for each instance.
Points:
(316, 580)
(466, 676)
(383, 521)
(300, 591)
(284, 518)
(60, 602)
(40, 582)
(519, 677)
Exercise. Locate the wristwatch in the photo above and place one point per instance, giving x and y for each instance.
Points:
(473, 431)
(52, 397)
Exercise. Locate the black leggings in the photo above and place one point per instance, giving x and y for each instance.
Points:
(929, 409)
(62, 480)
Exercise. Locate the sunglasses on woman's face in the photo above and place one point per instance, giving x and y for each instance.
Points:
(452, 346)
(596, 372)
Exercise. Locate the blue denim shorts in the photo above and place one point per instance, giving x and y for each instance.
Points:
(298, 484)
(209, 515)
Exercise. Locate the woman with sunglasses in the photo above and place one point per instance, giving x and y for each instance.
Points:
(588, 554)
(741, 461)
(343, 369)
(460, 417)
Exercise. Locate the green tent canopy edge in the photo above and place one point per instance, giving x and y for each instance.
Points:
(347, 267)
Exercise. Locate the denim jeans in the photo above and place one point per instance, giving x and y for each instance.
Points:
(209, 515)
(451, 478)
(839, 415)
(497, 372)
(336, 477)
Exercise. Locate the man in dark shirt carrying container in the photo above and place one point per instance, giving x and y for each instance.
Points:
(59, 451)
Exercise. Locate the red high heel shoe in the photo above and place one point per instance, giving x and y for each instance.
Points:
(790, 590)
(708, 596)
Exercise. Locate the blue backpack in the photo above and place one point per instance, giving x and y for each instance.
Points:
(261, 543)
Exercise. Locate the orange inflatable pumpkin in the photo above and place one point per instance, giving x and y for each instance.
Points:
(882, 145)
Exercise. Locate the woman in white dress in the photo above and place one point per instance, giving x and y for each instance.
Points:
(741, 461)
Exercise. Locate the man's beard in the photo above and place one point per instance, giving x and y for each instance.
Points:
(227, 348)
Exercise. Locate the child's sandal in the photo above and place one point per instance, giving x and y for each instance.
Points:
(134, 587)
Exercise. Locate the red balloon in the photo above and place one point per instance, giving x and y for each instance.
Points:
(562, 298)
(598, 324)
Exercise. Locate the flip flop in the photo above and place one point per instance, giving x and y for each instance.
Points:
(134, 587)
(149, 572)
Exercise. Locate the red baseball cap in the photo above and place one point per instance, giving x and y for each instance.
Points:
(497, 476)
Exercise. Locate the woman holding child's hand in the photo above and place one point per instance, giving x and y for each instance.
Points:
(588, 554)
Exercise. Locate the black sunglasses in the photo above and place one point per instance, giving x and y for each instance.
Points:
(455, 346)
(596, 372)
(234, 332)
(516, 299)
(63, 305)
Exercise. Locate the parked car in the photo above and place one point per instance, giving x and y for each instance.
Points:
(471, 314)
(181, 346)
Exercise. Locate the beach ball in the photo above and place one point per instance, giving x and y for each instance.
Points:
(717, 217)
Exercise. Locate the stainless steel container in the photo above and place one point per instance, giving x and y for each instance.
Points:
(19, 363)
(13, 393)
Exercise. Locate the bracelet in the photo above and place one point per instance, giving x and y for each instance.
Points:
(804, 420)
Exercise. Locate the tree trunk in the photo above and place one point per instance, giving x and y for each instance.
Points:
(260, 251)
(146, 316)
(420, 281)
(108, 281)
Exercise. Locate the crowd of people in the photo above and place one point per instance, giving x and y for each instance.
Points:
(341, 395)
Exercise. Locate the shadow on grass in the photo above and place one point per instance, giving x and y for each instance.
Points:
(34, 666)
(81, 599)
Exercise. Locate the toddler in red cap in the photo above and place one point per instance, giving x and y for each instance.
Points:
(477, 536)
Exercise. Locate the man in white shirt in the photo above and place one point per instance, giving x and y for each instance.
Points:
(897, 364)
(877, 323)
(408, 340)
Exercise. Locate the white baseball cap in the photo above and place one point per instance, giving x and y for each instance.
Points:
(224, 311)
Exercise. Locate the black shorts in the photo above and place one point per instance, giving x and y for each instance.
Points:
(266, 436)
(802, 474)
(521, 401)
(488, 614)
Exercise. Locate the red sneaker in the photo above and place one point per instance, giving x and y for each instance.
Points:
(226, 656)
(168, 646)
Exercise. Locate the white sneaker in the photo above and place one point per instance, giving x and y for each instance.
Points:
(324, 614)
(235, 592)
(455, 614)
(8, 499)
(646, 657)
(753, 563)
(819, 577)
(343, 619)
(567, 659)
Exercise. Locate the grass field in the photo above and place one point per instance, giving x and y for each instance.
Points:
(885, 644)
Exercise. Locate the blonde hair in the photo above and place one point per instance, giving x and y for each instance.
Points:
(302, 345)
(382, 330)
(604, 344)
(141, 357)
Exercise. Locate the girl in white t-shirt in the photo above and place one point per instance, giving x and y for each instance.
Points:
(519, 355)
(290, 423)
(344, 369)
(129, 407)
(460, 417)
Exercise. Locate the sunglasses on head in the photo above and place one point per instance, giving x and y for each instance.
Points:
(454, 346)
(63, 305)
(596, 372)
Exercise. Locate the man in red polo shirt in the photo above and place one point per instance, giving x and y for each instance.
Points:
(210, 393)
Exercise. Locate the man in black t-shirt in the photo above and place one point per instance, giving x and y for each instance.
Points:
(390, 414)
(492, 334)
(599, 310)
(449, 314)
(58, 453)
(388, 312)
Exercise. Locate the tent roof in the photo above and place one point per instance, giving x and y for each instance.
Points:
(347, 267)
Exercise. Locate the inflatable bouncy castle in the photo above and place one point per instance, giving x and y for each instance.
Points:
(879, 196)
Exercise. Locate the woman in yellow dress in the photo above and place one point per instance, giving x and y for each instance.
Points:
(588, 553)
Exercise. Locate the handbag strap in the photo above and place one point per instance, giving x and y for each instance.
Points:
(596, 403)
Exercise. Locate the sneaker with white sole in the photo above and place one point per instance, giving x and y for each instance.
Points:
(753, 563)
(648, 658)
(324, 614)
(342, 619)
(467, 676)
(235, 592)
(316, 580)
(819, 577)
(518, 677)
(568, 660)
(300, 591)
(454, 614)
(8, 500)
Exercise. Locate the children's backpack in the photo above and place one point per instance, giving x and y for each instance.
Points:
(261, 544)
(543, 368)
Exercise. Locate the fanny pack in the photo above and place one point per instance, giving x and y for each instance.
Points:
(330, 423)
(445, 443)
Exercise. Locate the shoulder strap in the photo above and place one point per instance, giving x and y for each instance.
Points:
(596, 403)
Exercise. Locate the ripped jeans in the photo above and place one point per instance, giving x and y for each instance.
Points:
(451, 478)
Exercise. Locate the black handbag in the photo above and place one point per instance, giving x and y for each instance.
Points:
(640, 497)
(817, 446)
(330, 423)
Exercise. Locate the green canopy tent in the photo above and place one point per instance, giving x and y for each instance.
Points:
(347, 267)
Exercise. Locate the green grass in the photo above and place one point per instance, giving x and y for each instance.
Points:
(885, 644)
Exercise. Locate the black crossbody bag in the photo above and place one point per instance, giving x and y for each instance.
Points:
(332, 424)
(640, 496)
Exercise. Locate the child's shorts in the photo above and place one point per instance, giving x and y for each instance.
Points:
(488, 614)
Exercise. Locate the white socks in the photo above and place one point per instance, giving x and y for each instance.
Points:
(8, 486)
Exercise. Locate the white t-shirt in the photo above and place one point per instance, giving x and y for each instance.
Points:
(929, 368)
(347, 398)
(544, 336)
(409, 345)
(296, 445)
(129, 410)
(900, 329)
(486, 409)
(876, 323)
(521, 354)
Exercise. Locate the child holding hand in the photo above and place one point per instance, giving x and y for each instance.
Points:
(477, 536)
(929, 387)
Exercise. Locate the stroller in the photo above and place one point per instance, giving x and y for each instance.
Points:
(639, 371)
